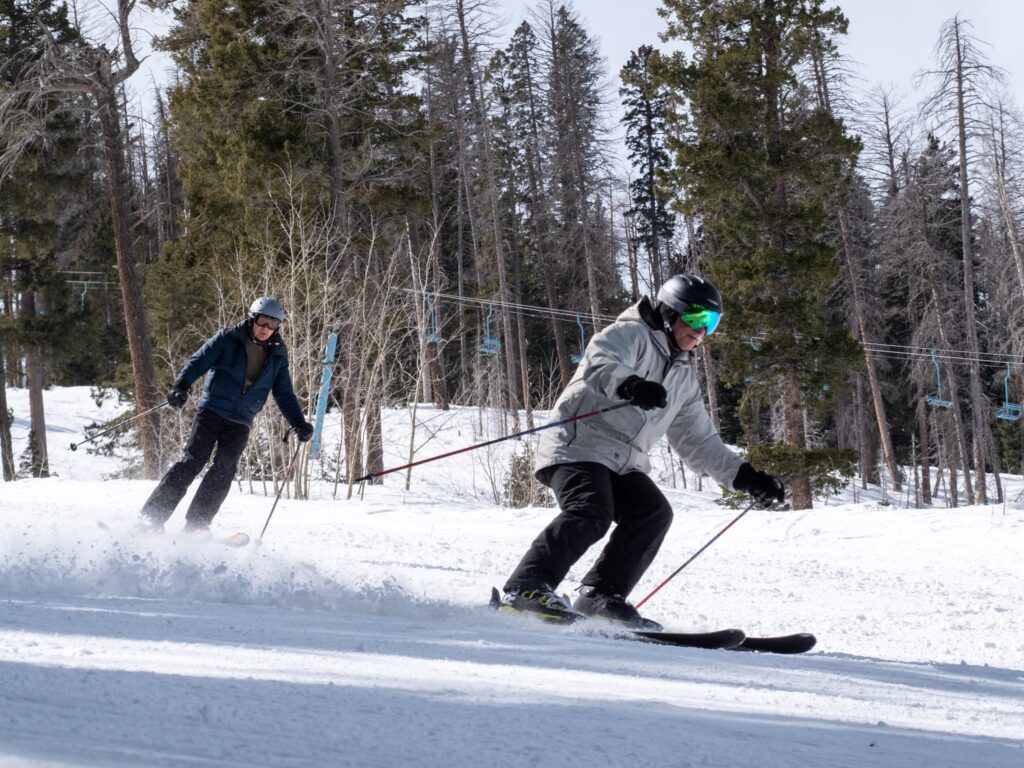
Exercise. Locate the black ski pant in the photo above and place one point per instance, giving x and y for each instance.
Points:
(591, 498)
(208, 431)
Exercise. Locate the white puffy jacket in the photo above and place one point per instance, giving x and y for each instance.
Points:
(621, 438)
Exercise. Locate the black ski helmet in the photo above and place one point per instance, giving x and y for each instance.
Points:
(267, 306)
(681, 290)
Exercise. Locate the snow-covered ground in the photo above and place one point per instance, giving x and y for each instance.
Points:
(355, 633)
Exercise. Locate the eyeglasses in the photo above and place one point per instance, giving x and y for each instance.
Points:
(266, 322)
(697, 317)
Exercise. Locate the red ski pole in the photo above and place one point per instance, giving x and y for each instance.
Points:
(697, 553)
(571, 419)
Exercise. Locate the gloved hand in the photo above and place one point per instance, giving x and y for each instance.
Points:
(644, 393)
(765, 488)
(304, 432)
(177, 395)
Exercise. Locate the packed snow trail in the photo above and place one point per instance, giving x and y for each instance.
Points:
(356, 633)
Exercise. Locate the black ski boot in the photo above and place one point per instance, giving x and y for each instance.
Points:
(540, 601)
(614, 608)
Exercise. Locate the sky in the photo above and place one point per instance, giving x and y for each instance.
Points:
(888, 42)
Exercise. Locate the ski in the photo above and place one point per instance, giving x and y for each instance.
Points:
(726, 639)
(238, 539)
(799, 642)
(721, 639)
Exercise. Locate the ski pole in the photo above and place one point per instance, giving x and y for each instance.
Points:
(287, 475)
(735, 520)
(587, 415)
(74, 446)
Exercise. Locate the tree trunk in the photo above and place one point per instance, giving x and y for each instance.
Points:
(877, 400)
(981, 429)
(6, 442)
(131, 289)
(922, 434)
(793, 423)
(864, 448)
(954, 396)
(524, 369)
(483, 125)
(39, 465)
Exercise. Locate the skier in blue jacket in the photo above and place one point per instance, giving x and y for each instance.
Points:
(243, 365)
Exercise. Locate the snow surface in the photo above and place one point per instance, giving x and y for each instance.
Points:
(355, 633)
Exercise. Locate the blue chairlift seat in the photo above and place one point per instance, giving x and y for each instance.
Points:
(936, 400)
(576, 358)
(432, 336)
(1009, 411)
(490, 345)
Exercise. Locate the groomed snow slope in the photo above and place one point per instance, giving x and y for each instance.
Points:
(355, 633)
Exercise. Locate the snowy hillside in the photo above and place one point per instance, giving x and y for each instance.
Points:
(355, 633)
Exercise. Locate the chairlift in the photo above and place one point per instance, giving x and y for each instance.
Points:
(432, 336)
(583, 340)
(937, 400)
(490, 345)
(1009, 411)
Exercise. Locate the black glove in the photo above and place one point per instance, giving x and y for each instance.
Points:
(177, 395)
(765, 488)
(304, 432)
(644, 393)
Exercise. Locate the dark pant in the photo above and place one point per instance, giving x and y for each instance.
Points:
(208, 430)
(592, 497)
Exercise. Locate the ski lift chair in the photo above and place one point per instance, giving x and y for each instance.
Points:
(490, 345)
(432, 336)
(1009, 411)
(583, 340)
(936, 400)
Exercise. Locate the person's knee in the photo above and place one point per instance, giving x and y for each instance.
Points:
(596, 528)
(225, 464)
(661, 516)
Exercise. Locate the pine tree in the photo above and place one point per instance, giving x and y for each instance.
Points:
(763, 167)
(646, 112)
(575, 102)
(41, 198)
(531, 125)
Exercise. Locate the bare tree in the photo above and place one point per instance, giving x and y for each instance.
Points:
(963, 78)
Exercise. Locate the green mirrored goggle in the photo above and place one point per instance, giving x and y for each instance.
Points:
(697, 317)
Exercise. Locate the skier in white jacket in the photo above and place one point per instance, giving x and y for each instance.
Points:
(597, 467)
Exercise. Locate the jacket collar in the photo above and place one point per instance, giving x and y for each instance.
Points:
(643, 312)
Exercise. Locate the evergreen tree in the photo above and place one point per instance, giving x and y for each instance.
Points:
(42, 197)
(645, 120)
(763, 166)
(531, 125)
(575, 102)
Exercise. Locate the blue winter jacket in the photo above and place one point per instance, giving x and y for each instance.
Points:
(223, 357)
